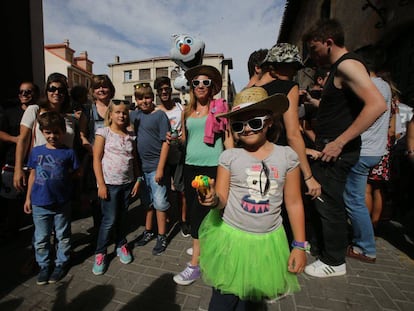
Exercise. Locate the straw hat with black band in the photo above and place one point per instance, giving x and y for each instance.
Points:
(209, 71)
(256, 98)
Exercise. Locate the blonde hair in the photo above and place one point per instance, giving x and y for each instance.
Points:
(115, 102)
(143, 89)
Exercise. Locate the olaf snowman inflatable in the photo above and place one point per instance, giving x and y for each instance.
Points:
(186, 51)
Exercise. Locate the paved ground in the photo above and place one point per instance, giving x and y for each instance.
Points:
(146, 283)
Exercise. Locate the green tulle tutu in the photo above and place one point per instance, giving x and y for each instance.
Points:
(248, 265)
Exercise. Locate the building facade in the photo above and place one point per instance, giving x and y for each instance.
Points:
(61, 58)
(125, 75)
(386, 24)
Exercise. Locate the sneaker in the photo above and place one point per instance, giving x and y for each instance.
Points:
(185, 229)
(57, 274)
(160, 246)
(188, 276)
(322, 270)
(145, 238)
(189, 251)
(43, 276)
(99, 267)
(124, 254)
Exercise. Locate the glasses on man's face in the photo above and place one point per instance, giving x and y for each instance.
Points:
(164, 89)
(25, 92)
(206, 82)
(53, 89)
(255, 124)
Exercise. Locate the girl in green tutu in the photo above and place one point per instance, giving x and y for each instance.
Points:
(245, 254)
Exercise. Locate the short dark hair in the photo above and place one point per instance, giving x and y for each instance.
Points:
(51, 120)
(255, 59)
(325, 29)
(159, 81)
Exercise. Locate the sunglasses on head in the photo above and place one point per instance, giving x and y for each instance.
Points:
(141, 85)
(120, 101)
(53, 89)
(255, 124)
(206, 82)
(25, 92)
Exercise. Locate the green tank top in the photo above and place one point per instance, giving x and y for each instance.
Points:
(197, 152)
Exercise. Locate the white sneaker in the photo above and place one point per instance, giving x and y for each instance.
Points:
(322, 270)
(189, 251)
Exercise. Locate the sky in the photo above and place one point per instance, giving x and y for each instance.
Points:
(141, 29)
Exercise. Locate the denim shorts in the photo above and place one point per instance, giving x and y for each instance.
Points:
(153, 193)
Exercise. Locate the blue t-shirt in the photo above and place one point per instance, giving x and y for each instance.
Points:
(150, 129)
(53, 181)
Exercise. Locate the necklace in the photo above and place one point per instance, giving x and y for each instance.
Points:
(197, 112)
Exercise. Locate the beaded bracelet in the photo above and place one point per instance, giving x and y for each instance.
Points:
(304, 246)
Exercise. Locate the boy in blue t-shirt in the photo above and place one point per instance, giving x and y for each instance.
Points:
(49, 196)
(151, 127)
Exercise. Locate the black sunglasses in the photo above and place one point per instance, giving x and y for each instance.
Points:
(256, 124)
(53, 89)
(25, 92)
(206, 82)
(265, 170)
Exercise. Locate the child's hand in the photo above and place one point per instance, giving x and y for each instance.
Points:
(135, 189)
(297, 261)
(27, 207)
(207, 196)
(103, 192)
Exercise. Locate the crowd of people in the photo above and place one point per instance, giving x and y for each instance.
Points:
(289, 170)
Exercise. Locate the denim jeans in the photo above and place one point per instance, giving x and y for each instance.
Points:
(330, 221)
(114, 216)
(45, 219)
(154, 193)
(354, 198)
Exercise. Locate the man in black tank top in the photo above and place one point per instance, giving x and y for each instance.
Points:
(350, 103)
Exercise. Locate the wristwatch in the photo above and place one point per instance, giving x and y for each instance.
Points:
(305, 246)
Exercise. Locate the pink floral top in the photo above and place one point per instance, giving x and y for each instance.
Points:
(118, 158)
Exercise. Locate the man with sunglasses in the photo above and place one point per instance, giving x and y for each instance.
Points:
(10, 116)
(175, 159)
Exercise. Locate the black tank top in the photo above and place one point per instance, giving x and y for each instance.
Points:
(338, 109)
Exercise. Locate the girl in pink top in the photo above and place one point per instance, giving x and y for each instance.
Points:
(116, 170)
